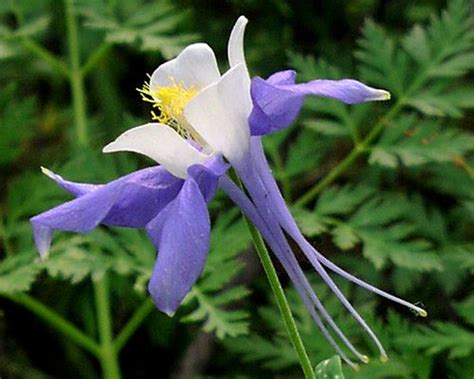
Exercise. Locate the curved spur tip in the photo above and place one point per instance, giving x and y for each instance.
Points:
(384, 358)
(385, 95)
(423, 313)
(365, 359)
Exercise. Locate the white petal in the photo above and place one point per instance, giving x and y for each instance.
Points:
(235, 47)
(195, 66)
(160, 143)
(219, 113)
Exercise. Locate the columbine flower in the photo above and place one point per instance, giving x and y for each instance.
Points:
(203, 117)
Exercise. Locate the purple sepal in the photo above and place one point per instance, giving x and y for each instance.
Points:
(130, 201)
(282, 77)
(180, 233)
(278, 100)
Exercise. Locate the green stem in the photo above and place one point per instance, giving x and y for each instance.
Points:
(46, 56)
(56, 321)
(95, 58)
(75, 77)
(279, 293)
(132, 325)
(108, 356)
(283, 305)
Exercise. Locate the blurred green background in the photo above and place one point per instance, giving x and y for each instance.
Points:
(385, 190)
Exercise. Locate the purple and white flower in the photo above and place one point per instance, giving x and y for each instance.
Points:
(205, 122)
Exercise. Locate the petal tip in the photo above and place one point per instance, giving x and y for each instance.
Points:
(242, 20)
(42, 236)
(109, 148)
(169, 313)
(384, 95)
(47, 172)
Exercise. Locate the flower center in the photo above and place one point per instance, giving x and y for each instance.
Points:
(170, 102)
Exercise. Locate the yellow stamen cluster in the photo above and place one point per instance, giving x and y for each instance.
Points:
(170, 102)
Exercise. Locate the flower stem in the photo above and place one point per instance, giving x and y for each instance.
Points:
(108, 356)
(75, 77)
(283, 305)
(279, 293)
(132, 325)
(56, 321)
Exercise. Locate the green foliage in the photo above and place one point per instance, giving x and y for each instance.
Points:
(415, 142)
(422, 68)
(377, 221)
(465, 309)
(146, 26)
(21, 22)
(17, 273)
(17, 116)
(32, 20)
(443, 336)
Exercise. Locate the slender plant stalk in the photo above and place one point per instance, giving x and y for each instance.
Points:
(44, 54)
(56, 321)
(76, 78)
(95, 58)
(109, 358)
(132, 325)
(279, 293)
(283, 305)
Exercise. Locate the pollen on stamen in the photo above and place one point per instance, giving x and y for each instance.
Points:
(170, 102)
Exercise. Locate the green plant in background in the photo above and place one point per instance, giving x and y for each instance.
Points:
(393, 183)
